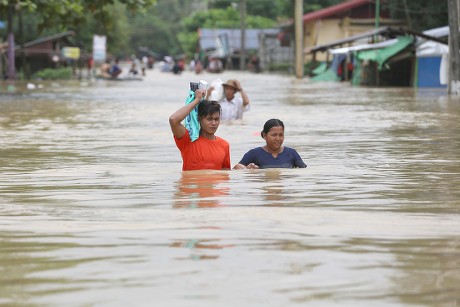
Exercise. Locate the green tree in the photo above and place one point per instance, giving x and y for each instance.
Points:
(159, 28)
(62, 14)
(170, 27)
(308, 6)
(155, 34)
(109, 17)
(420, 15)
(272, 9)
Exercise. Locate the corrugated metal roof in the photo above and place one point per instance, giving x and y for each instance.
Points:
(49, 38)
(438, 32)
(208, 37)
(383, 32)
(345, 50)
(335, 9)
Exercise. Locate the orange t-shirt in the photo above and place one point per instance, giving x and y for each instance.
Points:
(203, 153)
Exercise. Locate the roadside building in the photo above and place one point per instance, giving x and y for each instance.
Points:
(225, 44)
(341, 21)
(401, 57)
(45, 52)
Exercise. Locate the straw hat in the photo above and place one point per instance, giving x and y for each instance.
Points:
(231, 83)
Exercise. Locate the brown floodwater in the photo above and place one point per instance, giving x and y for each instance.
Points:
(95, 210)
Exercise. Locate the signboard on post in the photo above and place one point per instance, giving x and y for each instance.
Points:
(71, 53)
(99, 48)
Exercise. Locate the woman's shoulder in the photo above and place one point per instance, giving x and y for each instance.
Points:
(256, 149)
(289, 149)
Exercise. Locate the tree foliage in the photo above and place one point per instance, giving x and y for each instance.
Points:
(228, 18)
(153, 32)
(160, 27)
(104, 17)
(272, 9)
(420, 15)
(170, 26)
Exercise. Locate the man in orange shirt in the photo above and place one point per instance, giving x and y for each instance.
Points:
(208, 151)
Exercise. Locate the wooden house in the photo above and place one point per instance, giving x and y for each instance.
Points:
(43, 53)
(340, 21)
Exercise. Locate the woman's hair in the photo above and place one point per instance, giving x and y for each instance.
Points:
(270, 124)
(208, 107)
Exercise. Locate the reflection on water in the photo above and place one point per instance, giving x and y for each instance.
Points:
(201, 189)
(293, 268)
(95, 210)
(26, 258)
(275, 184)
(199, 248)
(274, 187)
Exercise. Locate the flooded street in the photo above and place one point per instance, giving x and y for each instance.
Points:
(95, 210)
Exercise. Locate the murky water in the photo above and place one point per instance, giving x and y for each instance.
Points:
(95, 210)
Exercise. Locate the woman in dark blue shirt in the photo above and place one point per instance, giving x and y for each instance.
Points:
(273, 154)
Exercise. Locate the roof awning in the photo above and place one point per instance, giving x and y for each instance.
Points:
(49, 38)
(381, 55)
(428, 49)
(383, 32)
(438, 32)
(334, 9)
(363, 47)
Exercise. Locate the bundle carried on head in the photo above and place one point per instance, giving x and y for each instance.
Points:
(191, 121)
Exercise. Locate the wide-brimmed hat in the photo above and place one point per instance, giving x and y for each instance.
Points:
(231, 83)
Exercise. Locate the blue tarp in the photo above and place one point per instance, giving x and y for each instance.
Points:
(2, 25)
(428, 72)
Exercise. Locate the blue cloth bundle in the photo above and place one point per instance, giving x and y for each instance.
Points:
(191, 121)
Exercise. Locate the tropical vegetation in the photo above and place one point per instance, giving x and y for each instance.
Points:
(170, 26)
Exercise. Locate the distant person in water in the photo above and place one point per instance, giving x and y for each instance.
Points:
(273, 154)
(208, 151)
(232, 105)
(105, 69)
(115, 70)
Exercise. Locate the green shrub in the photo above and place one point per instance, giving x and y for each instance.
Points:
(54, 74)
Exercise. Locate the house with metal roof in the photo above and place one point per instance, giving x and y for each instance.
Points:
(401, 57)
(208, 39)
(226, 45)
(44, 52)
(341, 21)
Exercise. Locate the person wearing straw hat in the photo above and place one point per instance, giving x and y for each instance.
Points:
(232, 106)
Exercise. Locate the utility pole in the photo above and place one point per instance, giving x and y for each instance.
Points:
(375, 38)
(298, 17)
(1, 58)
(454, 47)
(377, 13)
(243, 34)
(376, 19)
(11, 55)
(25, 71)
